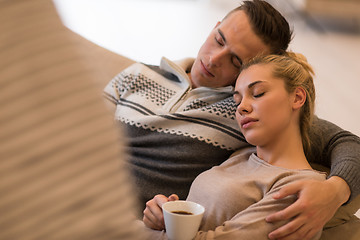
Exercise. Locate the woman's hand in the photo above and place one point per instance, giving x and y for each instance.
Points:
(153, 215)
(317, 203)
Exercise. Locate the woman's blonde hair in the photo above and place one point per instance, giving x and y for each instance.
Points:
(294, 69)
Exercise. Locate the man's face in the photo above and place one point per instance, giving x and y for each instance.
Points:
(229, 44)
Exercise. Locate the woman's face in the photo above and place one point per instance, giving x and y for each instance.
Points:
(265, 108)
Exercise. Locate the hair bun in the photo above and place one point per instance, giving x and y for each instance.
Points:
(301, 59)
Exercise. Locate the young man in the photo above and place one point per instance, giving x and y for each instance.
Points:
(180, 120)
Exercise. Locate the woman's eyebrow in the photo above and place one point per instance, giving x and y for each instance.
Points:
(251, 85)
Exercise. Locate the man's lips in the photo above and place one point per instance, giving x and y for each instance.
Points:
(205, 70)
(247, 122)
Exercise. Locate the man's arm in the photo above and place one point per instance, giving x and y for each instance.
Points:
(338, 150)
(317, 202)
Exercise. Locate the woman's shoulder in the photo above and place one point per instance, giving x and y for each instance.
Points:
(290, 176)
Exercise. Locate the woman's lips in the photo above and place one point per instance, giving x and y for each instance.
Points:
(247, 122)
(205, 70)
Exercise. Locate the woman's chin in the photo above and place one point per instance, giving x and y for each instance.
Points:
(254, 139)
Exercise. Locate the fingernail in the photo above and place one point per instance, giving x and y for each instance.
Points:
(276, 195)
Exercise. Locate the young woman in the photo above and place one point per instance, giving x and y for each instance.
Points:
(275, 104)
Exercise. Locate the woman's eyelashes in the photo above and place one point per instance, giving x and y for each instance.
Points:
(259, 95)
(238, 100)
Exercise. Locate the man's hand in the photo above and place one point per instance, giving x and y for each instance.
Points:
(316, 204)
(153, 215)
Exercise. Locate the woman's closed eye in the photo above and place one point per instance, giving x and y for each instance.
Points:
(237, 104)
(237, 99)
(259, 95)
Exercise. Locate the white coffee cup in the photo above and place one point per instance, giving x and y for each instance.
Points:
(182, 226)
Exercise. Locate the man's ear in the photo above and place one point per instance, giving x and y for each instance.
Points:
(299, 98)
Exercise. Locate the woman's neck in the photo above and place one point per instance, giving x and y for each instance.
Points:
(286, 150)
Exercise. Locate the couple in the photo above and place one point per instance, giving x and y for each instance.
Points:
(275, 98)
(180, 121)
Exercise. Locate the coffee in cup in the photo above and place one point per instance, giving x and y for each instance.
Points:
(182, 219)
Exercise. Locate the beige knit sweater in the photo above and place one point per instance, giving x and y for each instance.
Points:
(237, 196)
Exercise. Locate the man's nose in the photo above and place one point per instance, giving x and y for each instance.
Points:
(217, 58)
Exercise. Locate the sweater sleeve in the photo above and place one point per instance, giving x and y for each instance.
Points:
(338, 150)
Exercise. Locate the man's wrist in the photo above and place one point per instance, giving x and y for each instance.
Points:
(341, 188)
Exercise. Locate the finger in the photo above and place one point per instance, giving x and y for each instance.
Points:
(160, 200)
(291, 189)
(149, 219)
(155, 215)
(173, 197)
(306, 232)
(295, 236)
(157, 212)
(154, 212)
(311, 234)
(291, 230)
(150, 224)
(289, 212)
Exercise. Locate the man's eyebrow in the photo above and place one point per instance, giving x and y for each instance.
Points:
(223, 37)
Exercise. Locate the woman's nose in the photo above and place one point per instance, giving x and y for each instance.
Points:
(244, 107)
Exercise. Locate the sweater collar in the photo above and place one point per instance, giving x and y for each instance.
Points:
(178, 68)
